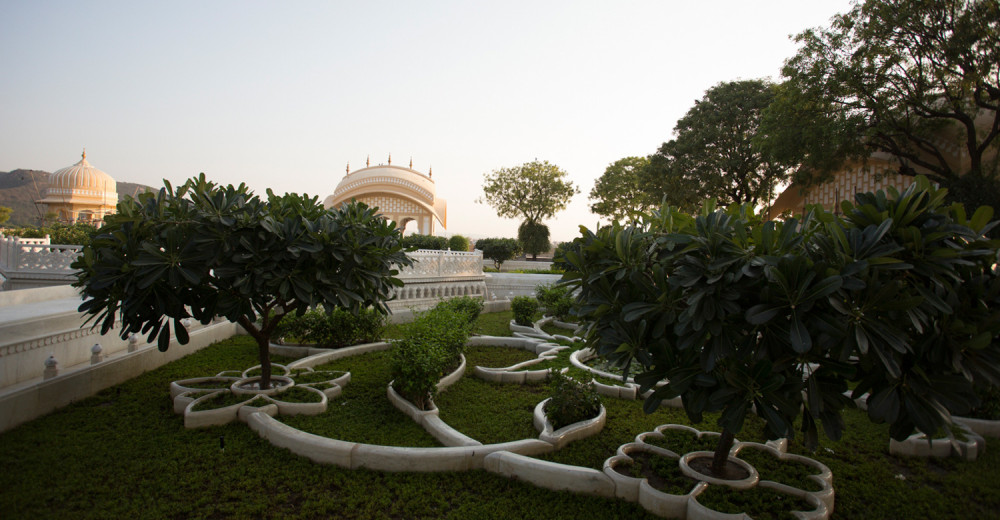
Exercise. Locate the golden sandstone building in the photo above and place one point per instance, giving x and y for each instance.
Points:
(403, 195)
(81, 193)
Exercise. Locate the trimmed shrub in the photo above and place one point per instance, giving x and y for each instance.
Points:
(556, 299)
(498, 249)
(989, 404)
(430, 347)
(571, 401)
(335, 329)
(466, 306)
(458, 243)
(524, 309)
(534, 237)
(416, 241)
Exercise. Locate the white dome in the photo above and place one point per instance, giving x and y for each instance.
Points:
(83, 180)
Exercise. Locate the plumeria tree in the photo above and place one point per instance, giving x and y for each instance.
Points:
(203, 251)
(740, 316)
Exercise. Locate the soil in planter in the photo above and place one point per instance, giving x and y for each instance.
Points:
(788, 472)
(663, 473)
(757, 502)
(221, 400)
(731, 471)
(299, 395)
(683, 441)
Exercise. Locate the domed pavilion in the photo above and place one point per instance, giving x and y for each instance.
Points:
(81, 193)
(403, 195)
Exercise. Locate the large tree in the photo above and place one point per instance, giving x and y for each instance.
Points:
(533, 191)
(713, 154)
(203, 251)
(917, 79)
(619, 193)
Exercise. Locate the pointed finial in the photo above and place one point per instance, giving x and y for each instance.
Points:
(390, 158)
(84, 154)
(430, 171)
(411, 162)
(348, 166)
(368, 161)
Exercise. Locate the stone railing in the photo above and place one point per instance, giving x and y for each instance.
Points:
(437, 275)
(34, 262)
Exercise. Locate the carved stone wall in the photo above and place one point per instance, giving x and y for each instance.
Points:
(34, 262)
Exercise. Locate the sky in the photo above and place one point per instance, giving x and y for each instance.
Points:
(283, 95)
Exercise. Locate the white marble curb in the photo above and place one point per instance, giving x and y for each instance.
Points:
(550, 475)
(917, 445)
(983, 427)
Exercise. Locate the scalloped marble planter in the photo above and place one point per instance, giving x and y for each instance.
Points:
(213, 416)
(983, 427)
(916, 445)
(568, 433)
(743, 483)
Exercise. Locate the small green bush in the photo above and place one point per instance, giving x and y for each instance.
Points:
(335, 329)
(464, 305)
(524, 308)
(556, 299)
(430, 347)
(458, 243)
(425, 242)
(571, 401)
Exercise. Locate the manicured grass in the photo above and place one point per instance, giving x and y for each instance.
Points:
(124, 453)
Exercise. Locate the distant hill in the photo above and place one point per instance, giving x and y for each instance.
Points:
(20, 189)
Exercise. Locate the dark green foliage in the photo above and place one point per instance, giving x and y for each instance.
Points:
(556, 299)
(430, 347)
(898, 296)
(524, 309)
(459, 243)
(571, 401)
(533, 237)
(757, 502)
(498, 249)
(207, 251)
(335, 329)
(466, 306)
(989, 403)
(619, 193)
(415, 241)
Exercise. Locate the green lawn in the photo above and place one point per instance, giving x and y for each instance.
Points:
(125, 454)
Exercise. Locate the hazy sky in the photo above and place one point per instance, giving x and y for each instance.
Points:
(284, 94)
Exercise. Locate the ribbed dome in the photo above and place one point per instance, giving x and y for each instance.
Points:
(82, 176)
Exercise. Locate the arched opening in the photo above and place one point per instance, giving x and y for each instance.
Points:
(405, 228)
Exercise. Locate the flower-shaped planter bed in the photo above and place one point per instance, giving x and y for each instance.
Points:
(981, 427)
(568, 433)
(221, 399)
(663, 481)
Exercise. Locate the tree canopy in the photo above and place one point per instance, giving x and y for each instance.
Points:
(534, 238)
(5, 213)
(204, 250)
(713, 154)
(740, 316)
(619, 193)
(533, 191)
(917, 79)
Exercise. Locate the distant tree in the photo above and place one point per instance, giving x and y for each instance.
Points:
(534, 238)
(619, 192)
(458, 243)
(914, 79)
(533, 191)
(5, 213)
(50, 218)
(204, 251)
(498, 249)
(713, 153)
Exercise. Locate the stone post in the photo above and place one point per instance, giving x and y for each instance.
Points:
(51, 367)
(95, 354)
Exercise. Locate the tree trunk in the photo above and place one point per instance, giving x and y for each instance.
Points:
(264, 350)
(722, 453)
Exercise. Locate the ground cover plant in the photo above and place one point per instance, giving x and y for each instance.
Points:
(148, 465)
(335, 328)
